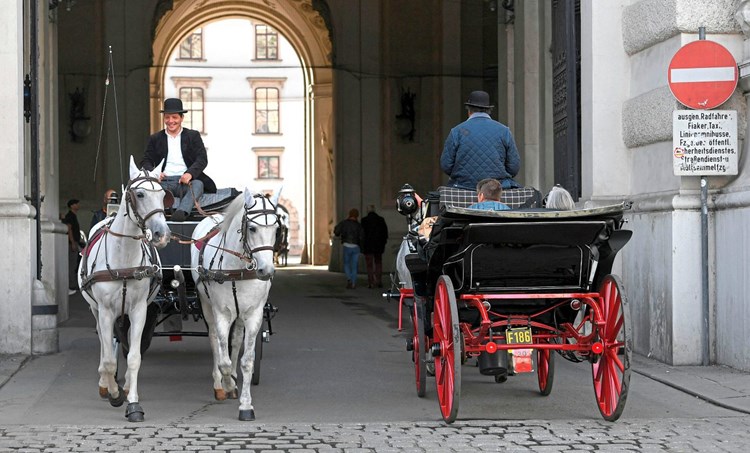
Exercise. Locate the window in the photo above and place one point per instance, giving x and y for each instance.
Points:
(268, 167)
(266, 111)
(266, 43)
(192, 47)
(192, 101)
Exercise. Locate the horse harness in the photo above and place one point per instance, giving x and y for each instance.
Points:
(150, 270)
(249, 272)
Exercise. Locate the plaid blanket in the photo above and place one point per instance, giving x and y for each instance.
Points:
(524, 197)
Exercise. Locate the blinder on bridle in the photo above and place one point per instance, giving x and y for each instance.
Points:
(252, 216)
(131, 202)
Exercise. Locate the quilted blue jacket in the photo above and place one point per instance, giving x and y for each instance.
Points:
(479, 148)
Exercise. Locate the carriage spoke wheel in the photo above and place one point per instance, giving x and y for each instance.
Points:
(419, 345)
(612, 371)
(446, 342)
(545, 373)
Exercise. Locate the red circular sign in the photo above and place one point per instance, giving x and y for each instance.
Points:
(702, 74)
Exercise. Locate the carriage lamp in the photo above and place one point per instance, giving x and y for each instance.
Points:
(406, 202)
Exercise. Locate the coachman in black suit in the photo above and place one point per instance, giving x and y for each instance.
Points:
(193, 154)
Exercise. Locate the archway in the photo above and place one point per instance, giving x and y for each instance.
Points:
(306, 30)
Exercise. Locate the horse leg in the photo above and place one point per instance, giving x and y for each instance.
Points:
(134, 411)
(213, 340)
(223, 321)
(236, 339)
(252, 322)
(108, 387)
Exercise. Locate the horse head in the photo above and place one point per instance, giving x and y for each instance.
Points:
(259, 223)
(144, 200)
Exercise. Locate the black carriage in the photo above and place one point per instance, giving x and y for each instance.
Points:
(512, 288)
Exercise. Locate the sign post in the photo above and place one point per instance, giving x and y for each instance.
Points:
(703, 75)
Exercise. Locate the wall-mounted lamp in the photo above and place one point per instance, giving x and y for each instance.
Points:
(80, 125)
(405, 120)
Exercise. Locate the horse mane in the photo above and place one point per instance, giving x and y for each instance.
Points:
(234, 208)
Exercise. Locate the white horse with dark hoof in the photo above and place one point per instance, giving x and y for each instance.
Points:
(119, 274)
(232, 262)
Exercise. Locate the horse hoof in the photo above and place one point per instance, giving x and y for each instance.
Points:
(220, 394)
(103, 392)
(134, 412)
(247, 415)
(117, 402)
(233, 395)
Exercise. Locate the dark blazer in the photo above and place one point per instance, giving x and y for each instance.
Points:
(193, 152)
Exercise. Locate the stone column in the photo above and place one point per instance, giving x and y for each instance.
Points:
(16, 223)
(320, 189)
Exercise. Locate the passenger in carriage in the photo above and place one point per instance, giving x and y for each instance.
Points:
(559, 199)
(488, 196)
(480, 148)
(184, 157)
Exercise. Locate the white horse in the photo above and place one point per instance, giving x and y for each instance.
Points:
(118, 275)
(232, 262)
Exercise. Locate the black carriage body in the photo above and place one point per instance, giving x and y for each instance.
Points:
(519, 251)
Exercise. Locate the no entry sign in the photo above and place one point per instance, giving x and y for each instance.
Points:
(702, 74)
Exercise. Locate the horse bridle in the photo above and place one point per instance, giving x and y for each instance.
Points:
(250, 216)
(131, 203)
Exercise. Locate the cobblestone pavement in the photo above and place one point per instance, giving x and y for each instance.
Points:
(728, 434)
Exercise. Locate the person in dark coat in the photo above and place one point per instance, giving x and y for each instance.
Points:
(352, 236)
(183, 168)
(75, 244)
(376, 235)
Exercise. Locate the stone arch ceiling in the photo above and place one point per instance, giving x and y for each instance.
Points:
(304, 23)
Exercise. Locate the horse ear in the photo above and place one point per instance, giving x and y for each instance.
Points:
(249, 197)
(158, 168)
(133, 168)
(276, 195)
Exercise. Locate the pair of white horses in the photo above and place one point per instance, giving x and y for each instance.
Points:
(232, 265)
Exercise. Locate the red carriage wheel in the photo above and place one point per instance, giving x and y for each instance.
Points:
(545, 372)
(447, 349)
(612, 370)
(419, 345)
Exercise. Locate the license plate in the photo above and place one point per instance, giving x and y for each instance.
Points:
(520, 359)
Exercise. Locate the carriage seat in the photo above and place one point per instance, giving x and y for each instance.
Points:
(450, 197)
(520, 198)
(211, 201)
(515, 256)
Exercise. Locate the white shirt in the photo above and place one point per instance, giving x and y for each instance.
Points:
(175, 163)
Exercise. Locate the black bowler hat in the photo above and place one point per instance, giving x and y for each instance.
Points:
(173, 105)
(479, 99)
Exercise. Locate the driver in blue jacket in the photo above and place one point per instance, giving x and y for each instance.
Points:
(480, 148)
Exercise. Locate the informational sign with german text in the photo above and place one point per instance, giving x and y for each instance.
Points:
(704, 142)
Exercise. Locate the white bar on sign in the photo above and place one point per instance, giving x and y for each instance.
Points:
(725, 74)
